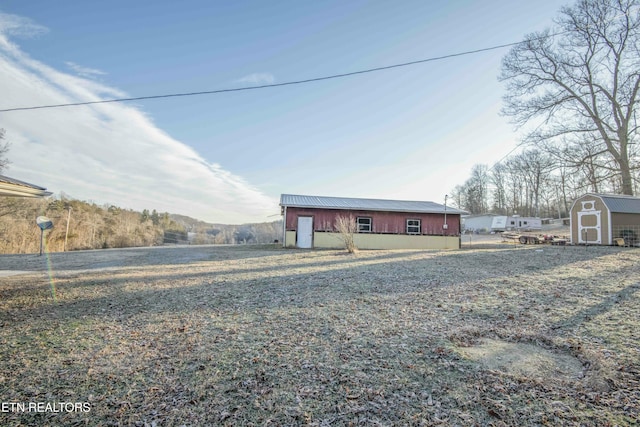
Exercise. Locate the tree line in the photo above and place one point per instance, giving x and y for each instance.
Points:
(533, 183)
(574, 89)
(91, 226)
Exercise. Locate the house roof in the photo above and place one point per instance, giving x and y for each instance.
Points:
(619, 203)
(347, 203)
(16, 188)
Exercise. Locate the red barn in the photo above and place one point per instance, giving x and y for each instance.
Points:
(310, 222)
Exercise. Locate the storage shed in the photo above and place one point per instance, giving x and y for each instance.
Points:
(310, 222)
(605, 219)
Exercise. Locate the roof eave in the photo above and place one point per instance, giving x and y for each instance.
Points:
(342, 208)
(11, 190)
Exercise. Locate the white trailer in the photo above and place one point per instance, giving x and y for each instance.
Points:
(499, 223)
(516, 223)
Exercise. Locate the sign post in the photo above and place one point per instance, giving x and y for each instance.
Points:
(45, 224)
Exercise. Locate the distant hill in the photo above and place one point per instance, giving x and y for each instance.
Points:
(92, 226)
(201, 232)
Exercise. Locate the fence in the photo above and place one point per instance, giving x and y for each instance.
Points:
(629, 233)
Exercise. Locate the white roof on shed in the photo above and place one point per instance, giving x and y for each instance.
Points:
(347, 203)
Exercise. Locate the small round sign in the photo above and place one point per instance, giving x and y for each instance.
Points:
(44, 223)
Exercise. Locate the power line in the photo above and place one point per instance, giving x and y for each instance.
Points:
(291, 83)
(512, 150)
(504, 157)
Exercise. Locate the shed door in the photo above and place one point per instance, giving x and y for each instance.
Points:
(589, 227)
(304, 235)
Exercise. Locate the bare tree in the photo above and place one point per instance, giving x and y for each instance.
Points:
(587, 159)
(475, 190)
(535, 168)
(581, 82)
(347, 227)
(458, 197)
(563, 186)
(498, 178)
(515, 185)
(4, 149)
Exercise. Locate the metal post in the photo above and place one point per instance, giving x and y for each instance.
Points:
(284, 226)
(44, 223)
(586, 237)
(515, 227)
(64, 249)
(446, 196)
(445, 226)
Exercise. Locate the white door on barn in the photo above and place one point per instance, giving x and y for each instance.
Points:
(304, 235)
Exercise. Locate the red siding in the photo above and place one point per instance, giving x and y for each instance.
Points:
(382, 222)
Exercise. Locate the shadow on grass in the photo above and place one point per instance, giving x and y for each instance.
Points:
(513, 261)
(266, 344)
(607, 304)
(122, 257)
(275, 286)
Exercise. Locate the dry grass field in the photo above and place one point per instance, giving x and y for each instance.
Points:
(490, 335)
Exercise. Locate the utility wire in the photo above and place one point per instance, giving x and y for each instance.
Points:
(291, 83)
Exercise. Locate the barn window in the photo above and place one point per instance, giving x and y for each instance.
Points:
(413, 226)
(364, 224)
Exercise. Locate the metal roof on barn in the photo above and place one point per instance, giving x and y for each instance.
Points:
(618, 203)
(347, 203)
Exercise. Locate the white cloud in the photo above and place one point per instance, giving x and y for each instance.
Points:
(18, 26)
(84, 71)
(109, 153)
(258, 79)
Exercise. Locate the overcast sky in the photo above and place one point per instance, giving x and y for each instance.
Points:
(404, 133)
